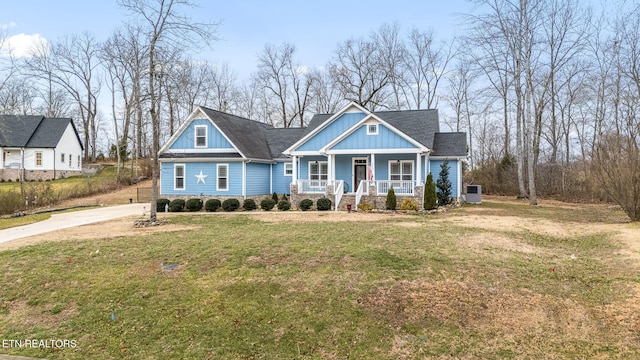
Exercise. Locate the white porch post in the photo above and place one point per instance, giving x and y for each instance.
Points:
(418, 169)
(373, 168)
(294, 169)
(330, 169)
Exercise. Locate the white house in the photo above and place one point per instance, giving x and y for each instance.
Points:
(39, 148)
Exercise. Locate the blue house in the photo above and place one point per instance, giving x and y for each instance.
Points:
(351, 156)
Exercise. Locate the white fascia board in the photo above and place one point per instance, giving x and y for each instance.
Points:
(374, 151)
(305, 153)
(200, 151)
(201, 160)
(352, 107)
(190, 119)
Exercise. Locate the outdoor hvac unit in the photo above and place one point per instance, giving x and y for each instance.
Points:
(474, 194)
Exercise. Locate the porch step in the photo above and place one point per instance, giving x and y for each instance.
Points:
(347, 199)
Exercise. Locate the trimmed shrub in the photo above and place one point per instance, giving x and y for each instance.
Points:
(305, 204)
(176, 205)
(267, 204)
(249, 204)
(408, 204)
(230, 205)
(194, 204)
(323, 204)
(284, 205)
(274, 197)
(160, 204)
(365, 206)
(430, 198)
(391, 199)
(212, 204)
(284, 197)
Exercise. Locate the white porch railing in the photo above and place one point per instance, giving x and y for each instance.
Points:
(338, 190)
(362, 187)
(312, 186)
(399, 187)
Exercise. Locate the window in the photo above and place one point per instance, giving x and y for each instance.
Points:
(401, 170)
(78, 161)
(178, 177)
(38, 158)
(62, 158)
(288, 169)
(318, 170)
(201, 136)
(70, 160)
(223, 177)
(372, 129)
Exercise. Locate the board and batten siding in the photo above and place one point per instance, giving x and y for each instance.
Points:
(331, 131)
(192, 187)
(215, 140)
(384, 139)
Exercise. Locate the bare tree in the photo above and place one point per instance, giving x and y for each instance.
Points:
(164, 27)
(360, 73)
(72, 64)
(425, 64)
(326, 96)
(286, 82)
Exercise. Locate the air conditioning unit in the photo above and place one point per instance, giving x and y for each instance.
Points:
(474, 194)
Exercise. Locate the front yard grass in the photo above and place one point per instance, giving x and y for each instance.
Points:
(409, 289)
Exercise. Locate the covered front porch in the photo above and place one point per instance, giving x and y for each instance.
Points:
(353, 178)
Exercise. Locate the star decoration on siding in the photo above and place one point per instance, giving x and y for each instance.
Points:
(201, 177)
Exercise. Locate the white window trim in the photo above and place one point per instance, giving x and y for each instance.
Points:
(369, 132)
(184, 177)
(62, 158)
(290, 166)
(195, 137)
(41, 159)
(402, 162)
(218, 166)
(319, 172)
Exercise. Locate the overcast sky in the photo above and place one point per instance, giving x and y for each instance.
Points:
(314, 27)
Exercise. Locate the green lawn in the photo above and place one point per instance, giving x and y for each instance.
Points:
(416, 288)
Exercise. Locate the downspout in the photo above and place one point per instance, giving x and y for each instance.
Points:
(270, 178)
(22, 175)
(54, 163)
(244, 179)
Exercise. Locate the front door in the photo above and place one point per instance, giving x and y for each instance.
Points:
(359, 173)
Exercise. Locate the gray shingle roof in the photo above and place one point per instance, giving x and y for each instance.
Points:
(420, 125)
(450, 144)
(261, 141)
(33, 131)
(247, 135)
(16, 130)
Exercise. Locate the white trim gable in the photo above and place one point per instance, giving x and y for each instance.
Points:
(351, 108)
(197, 114)
(371, 119)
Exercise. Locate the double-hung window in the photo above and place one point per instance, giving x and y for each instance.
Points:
(201, 136)
(223, 177)
(178, 177)
(39, 158)
(318, 173)
(401, 175)
(288, 169)
(62, 158)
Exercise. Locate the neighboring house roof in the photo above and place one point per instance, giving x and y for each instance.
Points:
(16, 130)
(33, 131)
(450, 144)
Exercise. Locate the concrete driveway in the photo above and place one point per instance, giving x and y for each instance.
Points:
(74, 218)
